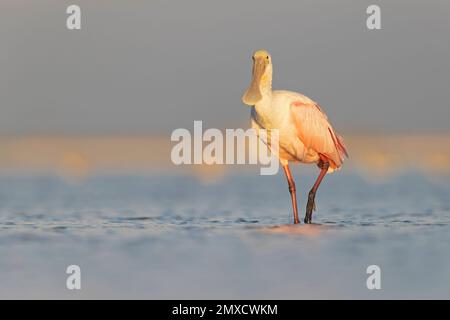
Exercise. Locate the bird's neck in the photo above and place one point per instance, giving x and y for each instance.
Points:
(265, 87)
(264, 110)
(265, 84)
(263, 107)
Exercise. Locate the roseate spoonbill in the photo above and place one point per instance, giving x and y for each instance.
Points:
(305, 135)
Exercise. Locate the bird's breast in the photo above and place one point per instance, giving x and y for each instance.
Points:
(290, 147)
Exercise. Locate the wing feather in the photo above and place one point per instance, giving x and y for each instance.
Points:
(316, 133)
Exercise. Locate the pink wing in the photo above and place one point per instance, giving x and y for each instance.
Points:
(317, 133)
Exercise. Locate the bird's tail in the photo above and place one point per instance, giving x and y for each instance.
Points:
(341, 146)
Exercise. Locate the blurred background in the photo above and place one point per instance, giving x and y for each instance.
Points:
(85, 171)
(106, 98)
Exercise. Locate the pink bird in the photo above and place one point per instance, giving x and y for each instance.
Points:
(305, 135)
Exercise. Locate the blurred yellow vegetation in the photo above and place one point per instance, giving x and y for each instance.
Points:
(373, 155)
(74, 166)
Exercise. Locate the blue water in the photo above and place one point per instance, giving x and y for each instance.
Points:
(175, 237)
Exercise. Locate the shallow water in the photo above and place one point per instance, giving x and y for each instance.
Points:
(174, 237)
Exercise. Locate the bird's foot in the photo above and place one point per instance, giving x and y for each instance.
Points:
(310, 207)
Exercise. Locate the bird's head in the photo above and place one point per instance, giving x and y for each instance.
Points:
(261, 77)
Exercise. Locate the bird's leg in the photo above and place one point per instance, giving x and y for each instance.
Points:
(291, 183)
(311, 205)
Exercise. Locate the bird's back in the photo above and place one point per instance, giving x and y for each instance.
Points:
(316, 132)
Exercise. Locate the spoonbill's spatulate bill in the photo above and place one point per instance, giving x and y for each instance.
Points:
(305, 135)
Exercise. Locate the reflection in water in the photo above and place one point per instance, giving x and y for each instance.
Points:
(302, 229)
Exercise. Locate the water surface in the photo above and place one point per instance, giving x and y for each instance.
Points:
(174, 237)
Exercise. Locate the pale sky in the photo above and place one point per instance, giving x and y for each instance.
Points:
(153, 66)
